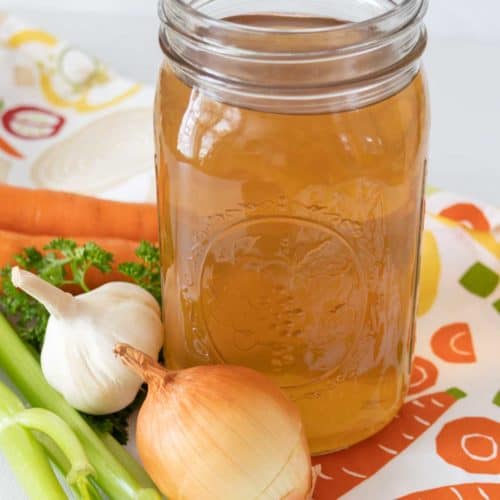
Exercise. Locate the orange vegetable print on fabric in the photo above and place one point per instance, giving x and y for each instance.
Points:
(472, 444)
(423, 375)
(467, 491)
(453, 343)
(348, 468)
(468, 215)
(7, 148)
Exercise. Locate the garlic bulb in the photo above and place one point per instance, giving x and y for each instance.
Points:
(219, 432)
(77, 356)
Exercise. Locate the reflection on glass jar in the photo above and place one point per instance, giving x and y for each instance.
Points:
(290, 170)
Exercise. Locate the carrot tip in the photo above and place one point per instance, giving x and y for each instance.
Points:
(456, 392)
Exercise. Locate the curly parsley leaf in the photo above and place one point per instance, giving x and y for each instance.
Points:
(27, 315)
(116, 424)
(79, 259)
(145, 273)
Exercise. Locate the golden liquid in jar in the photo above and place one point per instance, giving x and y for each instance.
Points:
(290, 245)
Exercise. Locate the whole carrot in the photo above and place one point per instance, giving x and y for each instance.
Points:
(39, 211)
(12, 244)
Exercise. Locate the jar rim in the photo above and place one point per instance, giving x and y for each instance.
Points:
(396, 17)
(225, 57)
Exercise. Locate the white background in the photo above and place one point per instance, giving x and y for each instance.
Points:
(462, 63)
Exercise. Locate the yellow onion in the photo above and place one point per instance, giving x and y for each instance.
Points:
(219, 432)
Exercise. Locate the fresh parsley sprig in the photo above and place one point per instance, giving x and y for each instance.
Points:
(145, 273)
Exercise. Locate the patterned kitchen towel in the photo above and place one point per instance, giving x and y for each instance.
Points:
(68, 122)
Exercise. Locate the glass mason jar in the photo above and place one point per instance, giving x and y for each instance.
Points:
(291, 142)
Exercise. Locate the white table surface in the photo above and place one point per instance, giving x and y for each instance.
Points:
(462, 63)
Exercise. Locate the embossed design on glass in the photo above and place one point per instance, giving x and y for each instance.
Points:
(307, 308)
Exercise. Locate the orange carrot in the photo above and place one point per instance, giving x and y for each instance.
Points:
(37, 211)
(350, 467)
(123, 251)
(469, 214)
(453, 343)
(9, 149)
(471, 443)
(423, 375)
(467, 491)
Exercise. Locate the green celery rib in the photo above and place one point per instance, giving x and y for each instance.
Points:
(126, 459)
(58, 430)
(24, 454)
(30, 465)
(25, 372)
(56, 456)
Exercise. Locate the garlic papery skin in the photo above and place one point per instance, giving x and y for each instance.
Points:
(77, 356)
(219, 432)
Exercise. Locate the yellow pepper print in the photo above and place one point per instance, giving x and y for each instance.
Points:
(81, 103)
(430, 273)
(31, 36)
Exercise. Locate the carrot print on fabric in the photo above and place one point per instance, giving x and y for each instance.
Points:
(423, 375)
(472, 444)
(468, 215)
(350, 467)
(453, 343)
(466, 491)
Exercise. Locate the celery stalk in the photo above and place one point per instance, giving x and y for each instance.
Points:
(25, 372)
(58, 430)
(59, 461)
(126, 459)
(24, 454)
